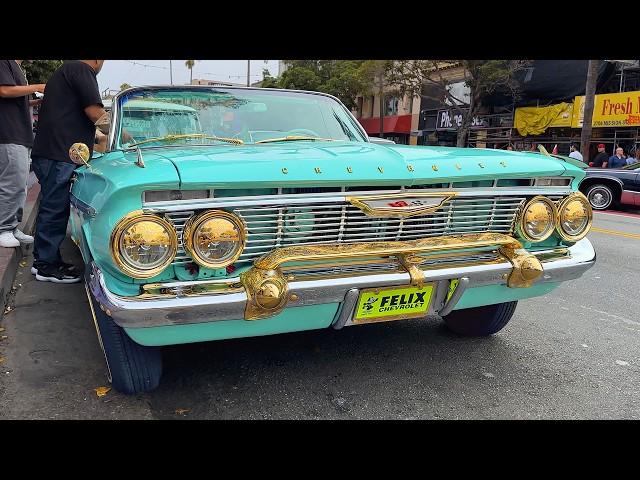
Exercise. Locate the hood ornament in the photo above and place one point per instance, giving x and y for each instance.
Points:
(401, 205)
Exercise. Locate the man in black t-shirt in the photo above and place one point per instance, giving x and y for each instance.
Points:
(601, 158)
(69, 112)
(16, 139)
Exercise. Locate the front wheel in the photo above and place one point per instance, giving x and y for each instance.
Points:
(480, 321)
(133, 368)
(600, 197)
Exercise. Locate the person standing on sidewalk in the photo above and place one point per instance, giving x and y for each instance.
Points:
(16, 140)
(69, 113)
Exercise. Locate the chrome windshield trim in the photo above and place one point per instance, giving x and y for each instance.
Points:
(338, 197)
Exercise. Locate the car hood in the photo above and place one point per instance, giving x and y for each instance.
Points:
(348, 163)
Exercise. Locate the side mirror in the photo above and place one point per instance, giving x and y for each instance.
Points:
(79, 154)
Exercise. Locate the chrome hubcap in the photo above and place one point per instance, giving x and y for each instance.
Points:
(600, 198)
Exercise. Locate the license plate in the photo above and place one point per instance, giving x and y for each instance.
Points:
(393, 303)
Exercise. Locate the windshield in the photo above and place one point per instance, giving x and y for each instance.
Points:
(211, 116)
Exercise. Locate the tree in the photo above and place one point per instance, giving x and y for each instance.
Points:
(189, 64)
(345, 79)
(39, 71)
(483, 77)
(267, 80)
(590, 92)
(124, 86)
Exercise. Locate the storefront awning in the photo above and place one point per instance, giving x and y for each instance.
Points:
(391, 124)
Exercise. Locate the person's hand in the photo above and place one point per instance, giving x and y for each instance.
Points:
(126, 137)
(38, 87)
(33, 103)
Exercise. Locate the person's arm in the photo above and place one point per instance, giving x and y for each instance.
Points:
(13, 91)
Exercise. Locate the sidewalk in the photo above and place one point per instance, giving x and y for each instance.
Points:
(11, 257)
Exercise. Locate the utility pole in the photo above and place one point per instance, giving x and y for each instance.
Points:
(248, 73)
(171, 71)
(589, 98)
(381, 94)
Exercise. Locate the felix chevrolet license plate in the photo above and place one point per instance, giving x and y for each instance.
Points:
(393, 303)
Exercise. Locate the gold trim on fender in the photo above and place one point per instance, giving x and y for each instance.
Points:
(406, 204)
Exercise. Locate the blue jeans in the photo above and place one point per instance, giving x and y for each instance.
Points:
(53, 212)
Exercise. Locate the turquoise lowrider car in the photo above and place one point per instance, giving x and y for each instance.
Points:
(236, 212)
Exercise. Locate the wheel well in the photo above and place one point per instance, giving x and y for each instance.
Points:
(615, 186)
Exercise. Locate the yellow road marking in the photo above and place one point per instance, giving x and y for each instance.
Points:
(616, 232)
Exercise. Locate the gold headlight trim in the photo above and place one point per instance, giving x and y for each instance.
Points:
(537, 219)
(213, 228)
(575, 217)
(143, 230)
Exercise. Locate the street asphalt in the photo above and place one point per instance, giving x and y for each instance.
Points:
(572, 354)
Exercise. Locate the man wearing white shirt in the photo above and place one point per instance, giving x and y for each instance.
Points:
(575, 153)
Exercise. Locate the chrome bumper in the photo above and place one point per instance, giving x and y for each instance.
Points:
(229, 299)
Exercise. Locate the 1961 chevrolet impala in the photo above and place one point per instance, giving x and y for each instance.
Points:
(236, 212)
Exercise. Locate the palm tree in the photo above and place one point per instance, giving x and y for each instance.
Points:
(189, 64)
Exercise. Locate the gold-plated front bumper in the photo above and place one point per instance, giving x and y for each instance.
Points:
(266, 284)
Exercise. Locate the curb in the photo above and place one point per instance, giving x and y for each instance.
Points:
(10, 258)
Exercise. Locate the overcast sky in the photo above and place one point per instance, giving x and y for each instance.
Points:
(149, 72)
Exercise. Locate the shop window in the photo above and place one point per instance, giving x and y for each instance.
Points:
(391, 106)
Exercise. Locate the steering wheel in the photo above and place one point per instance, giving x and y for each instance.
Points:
(303, 131)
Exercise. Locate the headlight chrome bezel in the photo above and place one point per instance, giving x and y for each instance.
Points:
(196, 221)
(575, 196)
(121, 260)
(553, 220)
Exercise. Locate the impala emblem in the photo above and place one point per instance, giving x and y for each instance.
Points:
(401, 205)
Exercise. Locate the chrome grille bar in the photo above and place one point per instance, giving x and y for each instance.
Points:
(272, 225)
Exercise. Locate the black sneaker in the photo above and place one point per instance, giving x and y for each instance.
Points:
(56, 274)
(67, 267)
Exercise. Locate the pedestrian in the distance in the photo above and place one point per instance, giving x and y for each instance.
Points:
(70, 112)
(16, 140)
(574, 153)
(618, 160)
(631, 160)
(601, 159)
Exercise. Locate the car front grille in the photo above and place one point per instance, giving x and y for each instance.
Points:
(280, 225)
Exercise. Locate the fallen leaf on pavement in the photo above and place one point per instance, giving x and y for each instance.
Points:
(1, 359)
(23, 263)
(181, 411)
(102, 391)
(1, 329)
(3, 337)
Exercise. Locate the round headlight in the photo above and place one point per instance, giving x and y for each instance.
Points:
(538, 219)
(575, 217)
(214, 239)
(143, 245)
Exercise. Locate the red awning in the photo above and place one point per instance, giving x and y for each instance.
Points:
(392, 124)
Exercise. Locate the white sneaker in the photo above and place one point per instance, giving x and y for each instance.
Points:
(22, 237)
(8, 240)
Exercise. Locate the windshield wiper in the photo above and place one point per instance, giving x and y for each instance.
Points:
(292, 138)
(168, 138)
